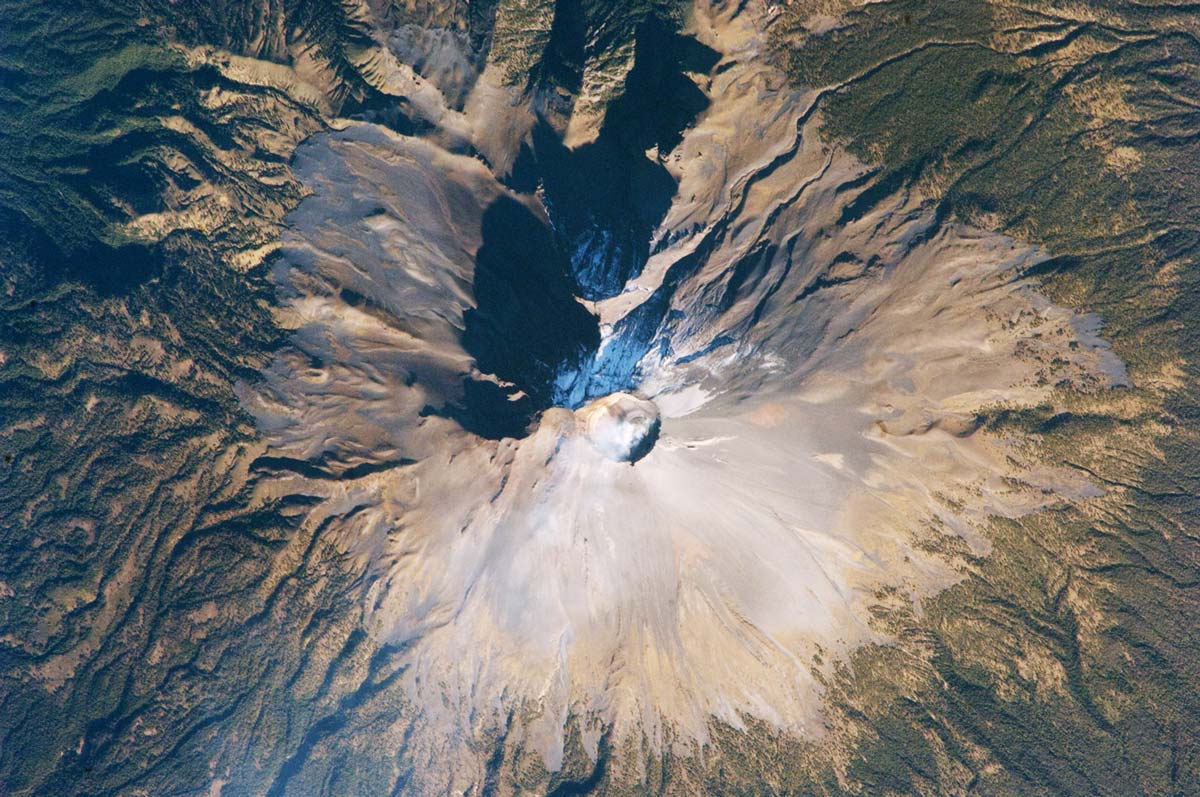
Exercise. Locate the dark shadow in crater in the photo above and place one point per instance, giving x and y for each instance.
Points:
(607, 197)
(526, 326)
(646, 444)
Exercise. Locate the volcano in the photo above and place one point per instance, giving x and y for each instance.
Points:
(589, 398)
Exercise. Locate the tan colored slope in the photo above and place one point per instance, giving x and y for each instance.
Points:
(819, 451)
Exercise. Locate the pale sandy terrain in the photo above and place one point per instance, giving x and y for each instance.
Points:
(818, 371)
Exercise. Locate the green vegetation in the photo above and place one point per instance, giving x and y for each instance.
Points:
(1063, 663)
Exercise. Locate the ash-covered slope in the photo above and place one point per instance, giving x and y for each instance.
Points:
(821, 372)
(602, 398)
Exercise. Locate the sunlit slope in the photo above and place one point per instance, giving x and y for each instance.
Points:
(1074, 126)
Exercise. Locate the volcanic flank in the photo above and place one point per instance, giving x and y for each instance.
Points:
(794, 363)
(599, 397)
